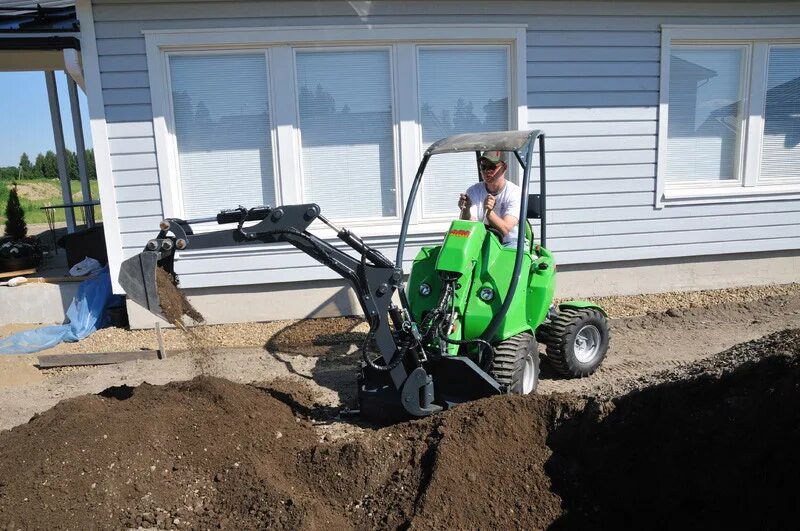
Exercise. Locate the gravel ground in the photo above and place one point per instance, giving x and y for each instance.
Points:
(313, 336)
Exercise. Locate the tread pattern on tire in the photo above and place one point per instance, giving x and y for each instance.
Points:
(555, 335)
(509, 361)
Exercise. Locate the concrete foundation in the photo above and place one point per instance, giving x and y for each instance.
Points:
(268, 302)
(36, 303)
(262, 302)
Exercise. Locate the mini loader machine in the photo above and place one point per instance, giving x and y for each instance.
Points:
(469, 316)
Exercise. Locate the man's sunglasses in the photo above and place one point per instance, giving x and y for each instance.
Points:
(487, 166)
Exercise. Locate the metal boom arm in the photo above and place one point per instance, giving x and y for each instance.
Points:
(373, 277)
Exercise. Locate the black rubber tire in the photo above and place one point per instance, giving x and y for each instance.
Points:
(508, 366)
(559, 337)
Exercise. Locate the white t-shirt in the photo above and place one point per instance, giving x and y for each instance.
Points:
(506, 202)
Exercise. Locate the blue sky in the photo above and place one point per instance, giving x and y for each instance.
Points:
(25, 124)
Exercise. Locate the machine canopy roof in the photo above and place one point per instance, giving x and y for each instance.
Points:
(500, 140)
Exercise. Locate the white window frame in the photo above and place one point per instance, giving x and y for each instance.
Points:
(279, 45)
(747, 187)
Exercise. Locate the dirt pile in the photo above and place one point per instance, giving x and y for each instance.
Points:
(148, 456)
(716, 448)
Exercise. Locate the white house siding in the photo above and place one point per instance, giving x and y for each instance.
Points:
(592, 78)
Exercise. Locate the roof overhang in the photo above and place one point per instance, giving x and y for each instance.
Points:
(40, 38)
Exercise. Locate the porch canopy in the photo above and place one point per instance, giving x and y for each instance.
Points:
(46, 37)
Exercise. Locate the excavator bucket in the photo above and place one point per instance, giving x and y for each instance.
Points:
(137, 276)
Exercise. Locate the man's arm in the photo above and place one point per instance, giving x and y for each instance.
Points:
(504, 224)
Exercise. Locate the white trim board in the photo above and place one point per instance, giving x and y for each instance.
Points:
(102, 153)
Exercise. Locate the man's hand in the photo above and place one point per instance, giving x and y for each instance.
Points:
(488, 205)
(464, 202)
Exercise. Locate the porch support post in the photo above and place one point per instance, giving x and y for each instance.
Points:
(61, 151)
(80, 148)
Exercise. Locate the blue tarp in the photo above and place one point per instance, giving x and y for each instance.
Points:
(85, 314)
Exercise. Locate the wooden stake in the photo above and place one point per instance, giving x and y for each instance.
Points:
(160, 336)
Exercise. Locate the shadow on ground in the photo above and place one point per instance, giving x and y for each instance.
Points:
(704, 453)
(337, 345)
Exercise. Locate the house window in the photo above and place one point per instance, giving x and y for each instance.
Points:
(340, 117)
(729, 121)
(346, 127)
(705, 114)
(460, 91)
(780, 157)
(220, 105)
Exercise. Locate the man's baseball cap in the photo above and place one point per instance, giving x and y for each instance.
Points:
(494, 156)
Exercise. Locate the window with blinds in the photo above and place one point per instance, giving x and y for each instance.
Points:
(729, 114)
(705, 113)
(460, 91)
(780, 155)
(220, 105)
(346, 126)
(335, 127)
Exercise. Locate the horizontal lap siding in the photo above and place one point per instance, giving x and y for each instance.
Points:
(592, 78)
(595, 94)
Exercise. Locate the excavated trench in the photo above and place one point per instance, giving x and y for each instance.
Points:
(713, 446)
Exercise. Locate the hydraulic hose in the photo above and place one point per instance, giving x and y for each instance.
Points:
(487, 362)
(433, 325)
(396, 360)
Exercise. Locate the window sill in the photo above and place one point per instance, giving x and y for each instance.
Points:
(729, 194)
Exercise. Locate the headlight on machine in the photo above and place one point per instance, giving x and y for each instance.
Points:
(486, 294)
(424, 289)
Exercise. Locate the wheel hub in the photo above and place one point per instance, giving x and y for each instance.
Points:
(528, 375)
(587, 343)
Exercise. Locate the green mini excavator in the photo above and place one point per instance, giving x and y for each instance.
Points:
(467, 322)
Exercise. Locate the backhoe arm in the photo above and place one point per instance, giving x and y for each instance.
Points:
(373, 276)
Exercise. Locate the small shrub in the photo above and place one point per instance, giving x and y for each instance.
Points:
(15, 217)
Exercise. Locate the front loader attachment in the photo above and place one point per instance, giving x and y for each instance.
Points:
(137, 276)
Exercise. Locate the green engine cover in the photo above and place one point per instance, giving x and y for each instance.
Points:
(480, 262)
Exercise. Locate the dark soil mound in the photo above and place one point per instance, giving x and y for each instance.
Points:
(713, 450)
(186, 451)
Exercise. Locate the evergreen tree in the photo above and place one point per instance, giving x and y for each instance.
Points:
(50, 166)
(72, 165)
(15, 216)
(38, 166)
(91, 170)
(25, 165)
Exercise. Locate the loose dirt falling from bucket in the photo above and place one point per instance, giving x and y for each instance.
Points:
(174, 306)
(202, 347)
(174, 303)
